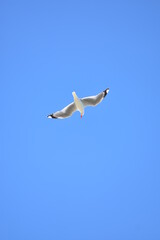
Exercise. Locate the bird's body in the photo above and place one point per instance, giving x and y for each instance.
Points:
(79, 104)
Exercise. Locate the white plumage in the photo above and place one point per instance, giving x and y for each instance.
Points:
(79, 104)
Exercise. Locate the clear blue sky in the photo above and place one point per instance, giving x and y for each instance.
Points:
(92, 178)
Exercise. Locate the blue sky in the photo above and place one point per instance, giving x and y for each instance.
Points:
(91, 178)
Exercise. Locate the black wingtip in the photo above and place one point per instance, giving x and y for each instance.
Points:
(51, 116)
(106, 92)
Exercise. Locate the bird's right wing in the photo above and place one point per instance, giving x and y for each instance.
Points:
(94, 100)
(65, 112)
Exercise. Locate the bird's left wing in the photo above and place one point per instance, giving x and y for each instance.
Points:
(65, 112)
(94, 100)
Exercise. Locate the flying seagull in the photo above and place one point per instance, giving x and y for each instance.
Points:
(79, 104)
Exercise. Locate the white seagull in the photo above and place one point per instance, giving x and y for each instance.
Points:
(79, 104)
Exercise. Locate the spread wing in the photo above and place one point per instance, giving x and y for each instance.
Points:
(65, 112)
(94, 100)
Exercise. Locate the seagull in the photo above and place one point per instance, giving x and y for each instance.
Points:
(79, 104)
